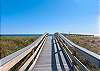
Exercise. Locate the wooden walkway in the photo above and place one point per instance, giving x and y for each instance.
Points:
(51, 58)
(44, 61)
(49, 53)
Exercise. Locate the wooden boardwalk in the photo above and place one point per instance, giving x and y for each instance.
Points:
(44, 61)
(51, 58)
(49, 53)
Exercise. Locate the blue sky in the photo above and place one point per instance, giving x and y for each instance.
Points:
(39, 16)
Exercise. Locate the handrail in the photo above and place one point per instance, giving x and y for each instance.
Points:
(82, 67)
(71, 58)
(9, 61)
(32, 66)
(88, 55)
(32, 57)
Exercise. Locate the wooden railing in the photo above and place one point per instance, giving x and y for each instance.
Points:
(91, 57)
(25, 59)
(31, 53)
(74, 61)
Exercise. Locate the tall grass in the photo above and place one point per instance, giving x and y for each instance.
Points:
(11, 44)
(90, 43)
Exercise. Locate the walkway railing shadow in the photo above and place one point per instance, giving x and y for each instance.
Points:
(54, 60)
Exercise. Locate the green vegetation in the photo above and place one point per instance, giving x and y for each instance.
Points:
(11, 44)
(90, 43)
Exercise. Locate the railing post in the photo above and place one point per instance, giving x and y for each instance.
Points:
(10, 61)
(92, 57)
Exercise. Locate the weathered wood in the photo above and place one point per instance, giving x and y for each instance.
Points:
(43, 56)
(43, 60)
(88, 55)
(9, 61)
(31, 58)
(64, 63)
(74, 59)
(33, 64)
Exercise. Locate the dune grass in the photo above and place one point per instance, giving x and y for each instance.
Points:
(11, 44)
(90, 43)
